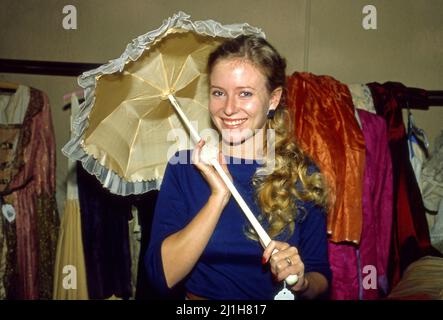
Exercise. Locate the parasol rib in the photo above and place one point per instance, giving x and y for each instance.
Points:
(143, 80)
(188, 58)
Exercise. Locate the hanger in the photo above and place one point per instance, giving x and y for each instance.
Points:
(78, 93)
(8, 87)
(419, 134)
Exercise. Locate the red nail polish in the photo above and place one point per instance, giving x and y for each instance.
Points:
(263, 260)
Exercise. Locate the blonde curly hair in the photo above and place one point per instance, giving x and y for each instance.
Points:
(282, 180)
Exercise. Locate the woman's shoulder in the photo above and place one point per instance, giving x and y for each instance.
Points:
(309, 210)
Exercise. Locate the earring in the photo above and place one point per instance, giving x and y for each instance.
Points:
(271, 114)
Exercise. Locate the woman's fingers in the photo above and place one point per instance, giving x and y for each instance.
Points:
(284, 262)
(275, 245)
(208, 171)
(196, 158)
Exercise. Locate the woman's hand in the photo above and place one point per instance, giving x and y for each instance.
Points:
(218, 187)
(286, 262)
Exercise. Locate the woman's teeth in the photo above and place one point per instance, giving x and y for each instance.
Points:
(233, 122)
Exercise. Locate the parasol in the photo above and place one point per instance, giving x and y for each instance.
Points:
(122, 134)
(132, 103)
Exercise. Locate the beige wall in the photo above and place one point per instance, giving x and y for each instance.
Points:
(320, 36)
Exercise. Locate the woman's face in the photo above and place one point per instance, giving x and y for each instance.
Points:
(239, 100)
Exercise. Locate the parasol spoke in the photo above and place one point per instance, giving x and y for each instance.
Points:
(143, 80)
(190, 65)
(196, 61)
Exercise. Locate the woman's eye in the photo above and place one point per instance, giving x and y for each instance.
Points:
(245, 94)
(217, 93)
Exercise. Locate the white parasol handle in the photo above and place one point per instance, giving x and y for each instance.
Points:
(194, 134)
(264, 237)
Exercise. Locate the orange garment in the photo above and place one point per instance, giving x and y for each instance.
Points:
(326, 129)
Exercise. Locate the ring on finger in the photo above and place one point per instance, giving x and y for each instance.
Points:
(289, 261)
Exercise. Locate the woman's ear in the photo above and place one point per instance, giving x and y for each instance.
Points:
(275, 98)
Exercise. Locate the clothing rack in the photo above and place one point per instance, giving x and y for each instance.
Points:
(435, 97)
(53, 68)
(415, 98)
(429, 98)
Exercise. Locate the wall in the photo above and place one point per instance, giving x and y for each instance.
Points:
(320, 36)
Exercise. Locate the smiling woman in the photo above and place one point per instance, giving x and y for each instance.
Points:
(199, 235)
(239, 101)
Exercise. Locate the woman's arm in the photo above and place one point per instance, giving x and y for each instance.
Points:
(181, 250)
(314, 285)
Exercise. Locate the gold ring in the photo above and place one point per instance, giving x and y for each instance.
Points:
(289, 261)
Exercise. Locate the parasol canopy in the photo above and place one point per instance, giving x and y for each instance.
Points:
(127, 128)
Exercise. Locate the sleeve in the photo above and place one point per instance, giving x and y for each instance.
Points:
(169, 217)
(314, 242)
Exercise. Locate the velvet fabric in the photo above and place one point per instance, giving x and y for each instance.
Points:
(105, 233)
(377, 208)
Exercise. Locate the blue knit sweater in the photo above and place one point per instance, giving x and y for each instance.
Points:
(230, 267)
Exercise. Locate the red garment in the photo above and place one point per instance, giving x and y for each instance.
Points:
(32, 194)
(410, 233)
(326, 129)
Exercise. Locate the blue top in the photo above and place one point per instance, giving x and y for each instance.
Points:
(230, 266)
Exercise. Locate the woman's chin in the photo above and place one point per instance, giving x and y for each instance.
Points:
(233, 140)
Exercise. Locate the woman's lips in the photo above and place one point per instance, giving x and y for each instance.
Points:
(233, 123)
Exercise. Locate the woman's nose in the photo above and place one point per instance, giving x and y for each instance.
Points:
(230, 106)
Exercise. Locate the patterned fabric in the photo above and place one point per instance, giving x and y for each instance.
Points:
(432, 190)
(3, 255)
(31, 238)
(362, 97)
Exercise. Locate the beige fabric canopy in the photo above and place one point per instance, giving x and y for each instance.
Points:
(127, 128)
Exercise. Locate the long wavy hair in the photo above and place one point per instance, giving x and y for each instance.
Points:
(280, 181)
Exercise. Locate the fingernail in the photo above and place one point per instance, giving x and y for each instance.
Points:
(263, 260)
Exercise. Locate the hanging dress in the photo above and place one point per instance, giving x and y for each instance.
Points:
(27, 184)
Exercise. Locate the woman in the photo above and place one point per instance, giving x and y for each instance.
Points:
(200, 237)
